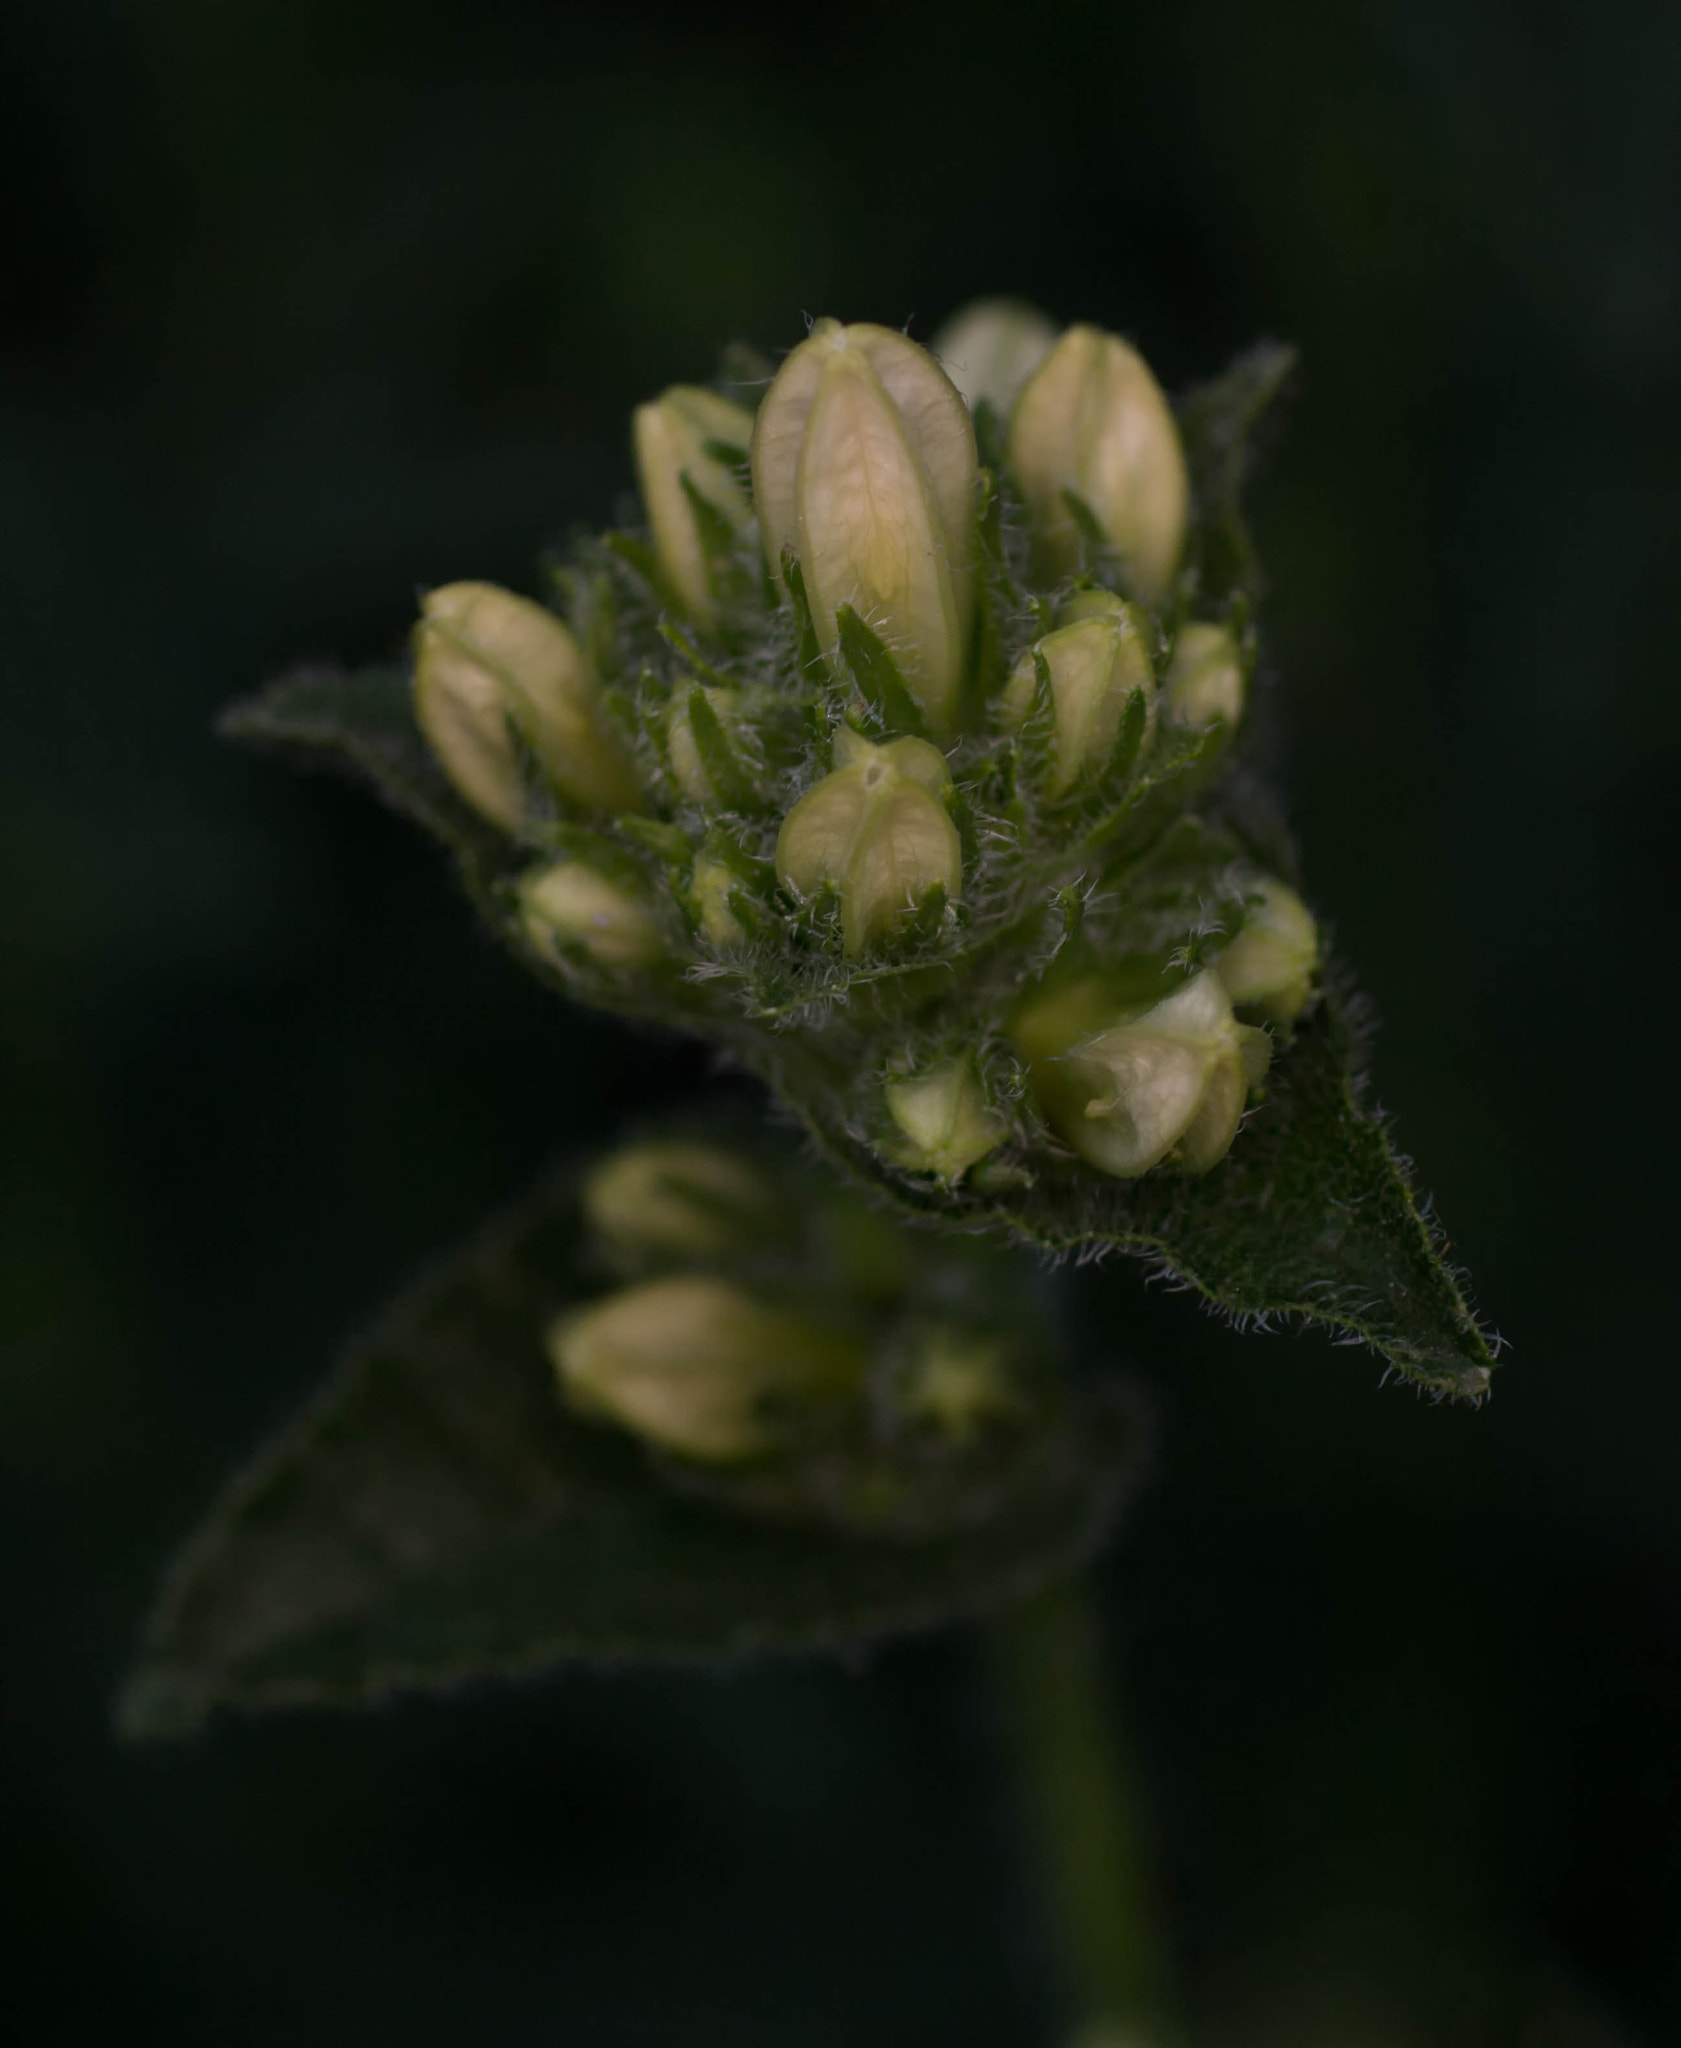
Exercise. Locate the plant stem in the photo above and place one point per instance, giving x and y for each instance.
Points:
(1082, 1805)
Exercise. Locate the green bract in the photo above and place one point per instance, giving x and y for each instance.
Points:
(898, 765)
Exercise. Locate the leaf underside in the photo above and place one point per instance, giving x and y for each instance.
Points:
(435, 1516)
(1312, 1214)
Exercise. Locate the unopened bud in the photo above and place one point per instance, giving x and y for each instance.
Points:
(710, 890)
(864, 464)
(878, 830)
(990, 348)
(1205, 676)
(698, 1367)
(671, 437)
(569, 903)
(490, 665)
(677, 1198)
(1093, 423)
(946, 1120)
(1095, 664)
(1171, 1080)
(958, 1383)
(1269, 965)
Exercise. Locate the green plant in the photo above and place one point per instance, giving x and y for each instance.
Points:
(906, 757)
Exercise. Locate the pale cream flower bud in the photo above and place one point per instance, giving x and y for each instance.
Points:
(710, 890)
(864, 465)
(489, 665)
(1096, 664)
(1171, 1080)
(991, 347)
(698, 1367)
(568, 902)
(670, 436)
(1269, 965)
(1093, 421)
(945, 1118)
(1205, 677)
(877, 828)
(678, 1198)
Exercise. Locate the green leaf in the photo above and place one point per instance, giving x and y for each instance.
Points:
(1312, 1214)
(436, 1515)
(877, 673)
(361, 723)
(1218, 421)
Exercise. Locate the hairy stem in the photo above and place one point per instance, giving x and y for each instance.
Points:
(1082, 1805)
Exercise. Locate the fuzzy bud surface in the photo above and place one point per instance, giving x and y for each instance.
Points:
(488, 665)
(1093, 421)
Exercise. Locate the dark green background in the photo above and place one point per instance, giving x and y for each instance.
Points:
(310, 304)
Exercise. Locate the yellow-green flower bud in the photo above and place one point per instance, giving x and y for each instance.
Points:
(1205, 676)
(1269, 965)
(1095, 664)
(1093, 421)
(568, 901)
(688, 770)
(958, 1383)
(710, 895)
(945, 1119)
(1170, 1080)
(489, 665)
(698, 1367)
(864, 464)
(991, 347)
(670, 437)
(878, 830)
(676, 1198)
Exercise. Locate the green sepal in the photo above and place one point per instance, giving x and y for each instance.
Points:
(668, 843)
(1088, 526)
(990, 666)
(877, 674)
(731, 457)
(992, 434)
(809, 648)
(1129, 741)
(682, 643)
(726, 575)
(731, 782)
(436, 1515)
(631, 552)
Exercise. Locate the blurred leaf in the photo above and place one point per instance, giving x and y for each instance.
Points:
(436, 1515)
(1218, 421)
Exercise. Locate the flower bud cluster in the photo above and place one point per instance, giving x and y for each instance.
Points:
(848, 755)
(782, 1349)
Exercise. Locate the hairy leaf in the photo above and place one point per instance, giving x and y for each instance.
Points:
(361, 722)
(435, 1516)
(1312, 1214)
